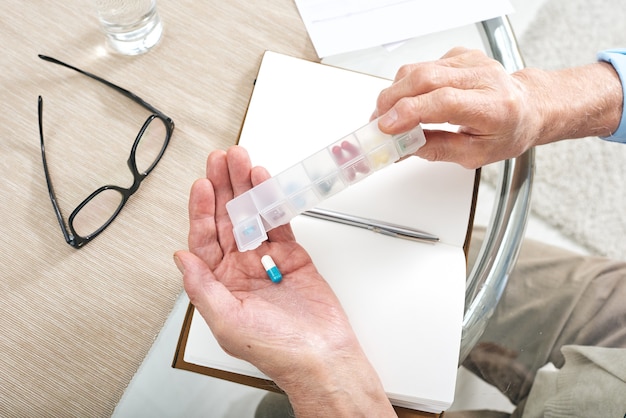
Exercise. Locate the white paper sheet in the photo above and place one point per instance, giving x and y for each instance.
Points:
(339, 26)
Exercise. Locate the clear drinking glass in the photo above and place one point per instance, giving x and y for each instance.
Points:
(131, 26)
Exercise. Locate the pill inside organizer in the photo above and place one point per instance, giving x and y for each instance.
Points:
(304, 185)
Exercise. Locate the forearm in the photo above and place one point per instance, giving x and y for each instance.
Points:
(573, 103)
(340, 387)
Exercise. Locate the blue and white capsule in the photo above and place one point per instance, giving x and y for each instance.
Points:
(271, 269)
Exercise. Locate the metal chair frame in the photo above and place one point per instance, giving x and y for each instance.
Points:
(497, 257)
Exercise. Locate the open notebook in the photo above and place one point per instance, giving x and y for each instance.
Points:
(404, 298)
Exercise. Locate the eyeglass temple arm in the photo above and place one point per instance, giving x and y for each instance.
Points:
(68, 236)
(119, 89)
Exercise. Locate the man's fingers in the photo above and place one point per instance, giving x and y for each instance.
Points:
(219, 176)
(465, 149)
(239, 169)
(279, 234)
(444, 105)
(463, 71)
(202, 238)
(449, 146)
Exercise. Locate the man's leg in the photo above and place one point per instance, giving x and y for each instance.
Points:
(274, 405)
(554, 297)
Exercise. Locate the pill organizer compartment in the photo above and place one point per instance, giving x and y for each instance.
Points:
(324, 174)
(345, 162)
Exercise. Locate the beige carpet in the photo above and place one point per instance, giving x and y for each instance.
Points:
(580, 185)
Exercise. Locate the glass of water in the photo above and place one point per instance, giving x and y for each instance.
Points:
(131, 26)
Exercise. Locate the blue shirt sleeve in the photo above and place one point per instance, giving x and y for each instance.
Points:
(617, 58)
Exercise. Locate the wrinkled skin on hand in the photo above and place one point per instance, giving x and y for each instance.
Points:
(464, 88)
(284, 329)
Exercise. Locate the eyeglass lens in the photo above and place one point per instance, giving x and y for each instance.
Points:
(151, 145)
(97, 212)
(101, 207)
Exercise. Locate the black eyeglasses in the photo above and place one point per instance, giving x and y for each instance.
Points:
(99, 209)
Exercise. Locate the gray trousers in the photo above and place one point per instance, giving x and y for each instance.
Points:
(554, 298)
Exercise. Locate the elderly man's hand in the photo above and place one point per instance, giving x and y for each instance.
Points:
(294, 331)
(499, 115)
(464, 88)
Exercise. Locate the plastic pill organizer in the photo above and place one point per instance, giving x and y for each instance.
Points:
(349, 160)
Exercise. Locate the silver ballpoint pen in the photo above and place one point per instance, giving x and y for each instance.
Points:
(371, 224)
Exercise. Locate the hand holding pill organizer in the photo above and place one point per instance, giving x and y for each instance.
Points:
(307, 123)
(301, 187)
